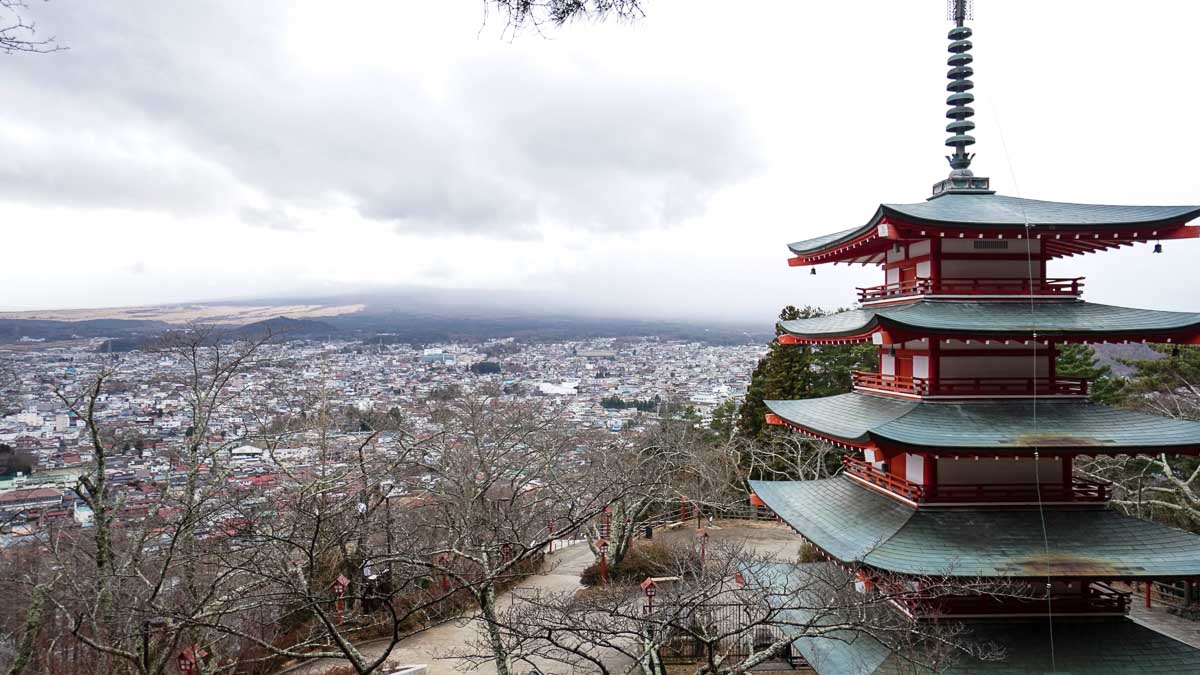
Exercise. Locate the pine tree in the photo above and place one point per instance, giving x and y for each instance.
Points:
(799, 371)
(1080, 361)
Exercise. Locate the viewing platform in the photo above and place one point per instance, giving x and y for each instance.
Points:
(1091, 599)
(973, 288)
(976, 493)
(968, 387)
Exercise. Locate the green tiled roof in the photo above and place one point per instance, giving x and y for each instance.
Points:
(991, 425)
(859, 525)
(849, 417)
(1060, 318)
(1004, 212)
(1109, 646)
(850, 521)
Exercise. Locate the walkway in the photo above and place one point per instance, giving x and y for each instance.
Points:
(1157, 618)
(433, 646)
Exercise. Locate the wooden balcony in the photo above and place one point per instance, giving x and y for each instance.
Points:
(1064, 288)
(977, 493)
(866, 472)
(971, 386)
(1077, 491)
(1096, 599)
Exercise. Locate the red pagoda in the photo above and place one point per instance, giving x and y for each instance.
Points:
(961, 446)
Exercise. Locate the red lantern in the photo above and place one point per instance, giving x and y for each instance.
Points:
(340, 585)
(188, 658)
(603, 546)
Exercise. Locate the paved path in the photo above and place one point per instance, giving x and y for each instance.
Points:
(562, 573)
(433, 646)
(1157, 618)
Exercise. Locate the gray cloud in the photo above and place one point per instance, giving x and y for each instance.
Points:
(509, 144)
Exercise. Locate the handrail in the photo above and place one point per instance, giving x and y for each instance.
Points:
(888, 382)
(895, 484)
(1098, 598)
(1065, 287)
(1078, 490)
(972, 386)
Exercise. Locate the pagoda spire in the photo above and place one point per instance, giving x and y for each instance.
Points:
(960, 100)
(960, 86)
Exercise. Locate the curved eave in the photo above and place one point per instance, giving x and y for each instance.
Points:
(1003, 212)
(859, 526)
(1066, 229)
(1067, 321)
(985, 427)
(845, 419)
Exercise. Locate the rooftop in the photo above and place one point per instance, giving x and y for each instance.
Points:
(1066, 319)
(954, 213)
(992, 426)
(858, 525)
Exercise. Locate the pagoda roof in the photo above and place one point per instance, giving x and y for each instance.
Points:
(1116, 645)
(973, 211)
(1068, 319)
(991, 426)
(856, 524)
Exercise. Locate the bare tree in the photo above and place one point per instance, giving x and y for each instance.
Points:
(534, 14)
(677, 464)
(124, 589)
(502, 481)
(786, 455)
(1158, 486)
(18, 34)
(730, 615)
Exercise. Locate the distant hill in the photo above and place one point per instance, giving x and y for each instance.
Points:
(403, 317)
(1107, 354)
(14, 330)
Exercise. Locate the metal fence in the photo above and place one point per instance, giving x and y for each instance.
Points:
(728, 620)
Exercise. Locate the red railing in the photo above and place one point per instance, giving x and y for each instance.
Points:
(901, 384)
(985, 286)
(972, 386)
(1000, 386)
(1097, 598)
(893, 484)
(1076, 491)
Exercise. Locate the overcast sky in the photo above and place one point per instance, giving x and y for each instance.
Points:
(207, 150)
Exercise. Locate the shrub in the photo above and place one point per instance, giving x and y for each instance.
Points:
(644, 560)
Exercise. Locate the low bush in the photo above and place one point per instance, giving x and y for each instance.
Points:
(644, 560)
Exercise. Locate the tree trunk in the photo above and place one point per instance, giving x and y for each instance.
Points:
(33, 625)
(487, 607)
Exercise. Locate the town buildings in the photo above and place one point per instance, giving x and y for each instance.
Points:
(147, 402)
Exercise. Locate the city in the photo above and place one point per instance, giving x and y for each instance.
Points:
(575, 376)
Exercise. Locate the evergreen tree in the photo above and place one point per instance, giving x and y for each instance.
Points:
(1176, 371)
(1080, 361)
(799, 371)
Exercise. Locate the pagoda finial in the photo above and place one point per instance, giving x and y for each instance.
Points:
(960, 86)
(960, 100)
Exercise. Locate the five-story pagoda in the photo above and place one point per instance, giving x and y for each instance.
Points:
(961, 446)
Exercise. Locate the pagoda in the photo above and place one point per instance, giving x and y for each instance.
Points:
(960, 448)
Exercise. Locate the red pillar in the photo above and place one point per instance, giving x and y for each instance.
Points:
(929, 477)
(935, 358)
